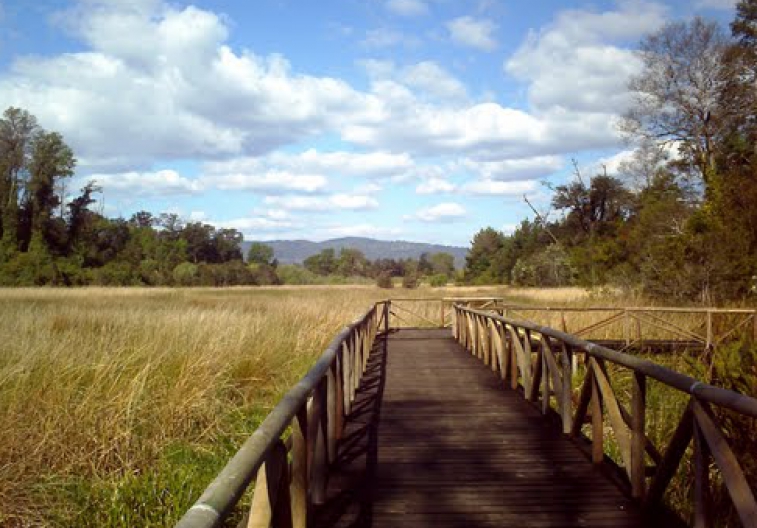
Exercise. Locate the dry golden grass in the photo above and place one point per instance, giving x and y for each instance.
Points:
(98, 384)
(118, 405)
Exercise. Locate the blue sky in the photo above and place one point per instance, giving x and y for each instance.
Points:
(420, 120)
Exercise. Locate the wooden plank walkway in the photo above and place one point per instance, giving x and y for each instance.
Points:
(435, 440)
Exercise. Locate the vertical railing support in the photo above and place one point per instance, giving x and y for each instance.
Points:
(298, 487)
(638, 434)
(597, 425)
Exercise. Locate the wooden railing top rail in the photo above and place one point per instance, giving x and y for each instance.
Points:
(541, 360)
(669, 309)
(219, 498)
(445, 299)
(703, 391)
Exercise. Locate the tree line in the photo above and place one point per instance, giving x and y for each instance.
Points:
(351, 265)
(48, 237)
(678, 219)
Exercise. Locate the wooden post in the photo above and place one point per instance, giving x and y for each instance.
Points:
(271, 503)
(332, 412)
(513, 359)
(638, 438)
(339, 375)
(544, 377)
(597, 426)
(441, 313)
(346, 376)
(567, 388)
(317, 437)
(701, 479)
(493, 344)
(298, 487)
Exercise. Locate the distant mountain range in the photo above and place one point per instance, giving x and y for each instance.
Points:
(296, 251)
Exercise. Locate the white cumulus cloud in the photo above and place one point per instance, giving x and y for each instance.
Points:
(495, 187)
(473, 32)
(443, 212)
(176, 91)
(573, 65)
(435, 186)
(157, 183)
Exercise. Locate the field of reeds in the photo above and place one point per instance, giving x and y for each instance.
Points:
(118, 406)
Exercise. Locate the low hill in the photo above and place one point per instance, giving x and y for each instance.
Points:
(296, 251)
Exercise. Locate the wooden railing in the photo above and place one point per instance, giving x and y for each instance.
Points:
(291, 472)
(706, 327)
(538, 360)
(430, 312)
(626, 327)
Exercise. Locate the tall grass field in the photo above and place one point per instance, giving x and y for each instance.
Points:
(119, 406)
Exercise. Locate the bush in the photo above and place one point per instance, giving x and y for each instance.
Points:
(384, 280)
(264, 275)
(546, 268)
(294, 274)
(410, 281)
(115, 274)
(185, 274)
(439, 280)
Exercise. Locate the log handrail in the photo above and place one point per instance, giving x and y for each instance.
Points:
(315, 409)
(538, 359)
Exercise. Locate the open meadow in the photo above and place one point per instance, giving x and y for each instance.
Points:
(118, 406)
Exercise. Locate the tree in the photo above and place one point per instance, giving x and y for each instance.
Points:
(677, 92)
(639, 171)
(481, 261)
(51, 160)
(260, 253)
(591, 208)
(442, 263)
(424, 264)
(17, 132)
(352, 263)
(323, 263)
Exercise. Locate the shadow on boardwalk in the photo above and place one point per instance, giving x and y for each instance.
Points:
(350, 489)
(434, 440)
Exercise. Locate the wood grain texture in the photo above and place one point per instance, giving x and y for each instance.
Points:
(435, 439)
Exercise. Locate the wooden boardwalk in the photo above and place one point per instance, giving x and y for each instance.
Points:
(434, 439)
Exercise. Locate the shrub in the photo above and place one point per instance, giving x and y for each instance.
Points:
(410, 281)
(294, 274)
(185, 274)
(115, 274)
(439, 280)
(384, 280)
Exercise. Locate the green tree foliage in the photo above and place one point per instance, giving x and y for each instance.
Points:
(442, 263)
(46, 241)
(439, 280)
(324, 263)
(352, 263)
(484, 263)
(681, 226)
(260, 253)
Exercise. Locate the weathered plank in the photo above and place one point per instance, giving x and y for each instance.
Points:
(438, 441)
